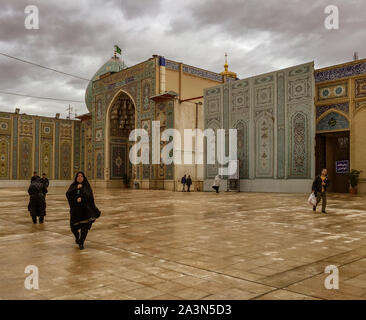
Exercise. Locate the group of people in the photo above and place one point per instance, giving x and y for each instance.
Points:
(83, 211)
(186, 181)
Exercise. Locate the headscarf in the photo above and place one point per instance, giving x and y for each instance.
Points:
(85, 184)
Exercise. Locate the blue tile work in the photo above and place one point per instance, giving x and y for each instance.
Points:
(172, 65)
(342, 72)
(82, 143)
(57, 139)
(344, 107)
(77, 146)
(332, 121)
(194, 71)
(36, 146)
(279, 104)
(202, 73)
(15, 147)
(281, 123)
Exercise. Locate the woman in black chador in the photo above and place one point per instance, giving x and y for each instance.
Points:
(83, 211)
(37, 202)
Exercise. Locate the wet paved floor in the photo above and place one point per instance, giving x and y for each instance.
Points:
(166, 245)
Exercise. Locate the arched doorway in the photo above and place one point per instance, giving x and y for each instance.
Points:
(120, 122)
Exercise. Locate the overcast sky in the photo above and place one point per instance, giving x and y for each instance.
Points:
(77, 36)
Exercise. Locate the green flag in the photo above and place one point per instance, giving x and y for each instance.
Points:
(118, 49)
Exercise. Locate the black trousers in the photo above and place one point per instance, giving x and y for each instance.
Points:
(37, 212)
(84, 229)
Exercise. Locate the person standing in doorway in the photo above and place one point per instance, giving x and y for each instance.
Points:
(319, 188)
(216, 184)
(83, 211)
(184, 181)
(189, 183)
(37, 202)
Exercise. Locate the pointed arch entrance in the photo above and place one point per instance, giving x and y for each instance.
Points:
(120, 121)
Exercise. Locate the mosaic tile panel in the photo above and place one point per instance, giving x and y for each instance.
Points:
(47, 129)
(333, 91)
(4, 157)
(25, 157)
(77, 147)
(57, 139)
(264, 147)
(299, 146)
(332, 121)
(65, 160)
(119, 158)
(344, 107)
(360, 86)
(99, 160)
(46, 157)
(15, 148)
(281, 125)
(5, 126)
(36, 146)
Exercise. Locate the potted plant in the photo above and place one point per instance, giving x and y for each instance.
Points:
(354, 177)
(126, 180)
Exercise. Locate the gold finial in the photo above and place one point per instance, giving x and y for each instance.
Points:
(228, 73)
(226, 66)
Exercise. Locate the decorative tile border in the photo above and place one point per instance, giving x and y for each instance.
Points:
(344, 107)
(172, 65)
(342, 72)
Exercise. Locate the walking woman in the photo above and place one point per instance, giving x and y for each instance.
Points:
(83, 211)
(37, 202)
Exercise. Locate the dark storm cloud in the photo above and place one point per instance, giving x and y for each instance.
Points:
(287, 31)
(78, 37)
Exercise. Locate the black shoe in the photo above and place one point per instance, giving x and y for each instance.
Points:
(81, 246)
(41, 221)
(324, 211)
(314, 208)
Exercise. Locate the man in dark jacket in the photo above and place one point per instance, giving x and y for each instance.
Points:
(319, 188)
(37, 203)
(35, 176)
(189, 183)
(45, 182)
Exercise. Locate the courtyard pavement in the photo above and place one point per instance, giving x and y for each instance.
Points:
(152, 244)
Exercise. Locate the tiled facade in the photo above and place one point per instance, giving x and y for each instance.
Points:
(274, 116)
(340, 103)
(42, 144)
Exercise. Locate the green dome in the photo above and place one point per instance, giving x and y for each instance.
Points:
(114, 64)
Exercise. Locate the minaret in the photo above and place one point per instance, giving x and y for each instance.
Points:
(228, 75)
